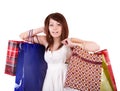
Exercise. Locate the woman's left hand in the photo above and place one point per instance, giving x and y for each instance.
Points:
(68, 42)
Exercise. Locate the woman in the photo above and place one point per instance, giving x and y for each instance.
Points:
(58, 49)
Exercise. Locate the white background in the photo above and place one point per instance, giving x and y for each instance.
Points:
(96, 20)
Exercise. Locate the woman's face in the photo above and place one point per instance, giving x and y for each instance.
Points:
(55, 28)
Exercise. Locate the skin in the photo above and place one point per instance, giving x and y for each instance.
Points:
(55, 29)
(56, 35)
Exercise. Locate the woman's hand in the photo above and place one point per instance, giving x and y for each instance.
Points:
(36, 31)
(68, 42)
(87, 45)
(24, 35)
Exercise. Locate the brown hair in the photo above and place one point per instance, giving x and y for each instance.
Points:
(61, 19)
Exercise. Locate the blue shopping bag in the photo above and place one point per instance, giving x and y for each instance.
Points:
(31, 67)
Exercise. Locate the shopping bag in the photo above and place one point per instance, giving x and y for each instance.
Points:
(11, 57)
(105, 78)
(84, 70)
(31, 67)
(108, 80)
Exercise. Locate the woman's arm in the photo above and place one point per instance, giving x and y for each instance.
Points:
(87, 45)
(25, 34)
(36, 38)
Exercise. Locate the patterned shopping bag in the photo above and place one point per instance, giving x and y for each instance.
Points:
(11, 57)
(84, 70)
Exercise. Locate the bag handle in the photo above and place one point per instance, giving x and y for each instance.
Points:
(37, 39)
(31, 37)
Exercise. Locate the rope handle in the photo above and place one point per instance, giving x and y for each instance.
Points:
(31, 37)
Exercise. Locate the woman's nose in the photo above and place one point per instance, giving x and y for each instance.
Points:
(55, 27)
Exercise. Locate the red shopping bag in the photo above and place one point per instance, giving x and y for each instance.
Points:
(108, 68)
(11, 57)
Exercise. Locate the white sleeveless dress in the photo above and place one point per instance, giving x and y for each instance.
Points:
(57, 69)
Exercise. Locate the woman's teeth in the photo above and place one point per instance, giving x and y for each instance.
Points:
(55, 32)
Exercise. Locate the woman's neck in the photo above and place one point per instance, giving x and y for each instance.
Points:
(56, 44)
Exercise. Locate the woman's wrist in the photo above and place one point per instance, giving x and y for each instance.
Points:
(77, 42)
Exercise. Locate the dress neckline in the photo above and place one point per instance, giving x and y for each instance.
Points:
(55, 50)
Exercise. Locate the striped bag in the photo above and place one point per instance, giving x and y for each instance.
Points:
(11, 57)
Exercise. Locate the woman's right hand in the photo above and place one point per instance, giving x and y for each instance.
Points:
(24, 35)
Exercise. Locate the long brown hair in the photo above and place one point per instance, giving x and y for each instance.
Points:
(65, 31)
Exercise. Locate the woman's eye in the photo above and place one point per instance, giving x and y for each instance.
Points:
(59, 24)
(50, 24)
